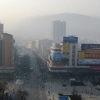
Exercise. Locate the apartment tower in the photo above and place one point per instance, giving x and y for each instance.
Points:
(7, 45)
(59, 31)
(1, 31)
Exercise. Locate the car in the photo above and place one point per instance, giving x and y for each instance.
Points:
(31, 69)
(98, 87)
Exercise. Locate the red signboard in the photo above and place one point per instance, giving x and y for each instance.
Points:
(55, 63)
(92, 55)
(95, 67)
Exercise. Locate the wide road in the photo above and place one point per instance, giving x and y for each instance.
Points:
(37, 92)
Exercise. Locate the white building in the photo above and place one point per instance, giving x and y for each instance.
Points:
(59, 31)
(37, 44)
(69, 52)
(31, 45)
(73, 54)
(42, 45)
(69, 55)
(70, 49)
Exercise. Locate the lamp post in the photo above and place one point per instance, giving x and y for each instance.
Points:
(53, 96)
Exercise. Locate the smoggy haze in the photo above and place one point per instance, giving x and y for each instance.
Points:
(14, 11)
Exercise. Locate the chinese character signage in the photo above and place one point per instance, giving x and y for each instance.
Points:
(88, 61)
(65, 47)
(70, 39)
(89, 46)
(93, 55)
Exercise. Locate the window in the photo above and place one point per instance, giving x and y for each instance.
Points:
(73, 55)
(73, 64)
(73, 51)
(74, 47)
(73, 60)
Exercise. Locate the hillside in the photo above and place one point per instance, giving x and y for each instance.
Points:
(41, 26)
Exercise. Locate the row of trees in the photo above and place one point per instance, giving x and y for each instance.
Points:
(21, 95)
(17, 95)
(25, 64)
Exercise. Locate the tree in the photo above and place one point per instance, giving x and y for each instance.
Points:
(2, 88)
(21, 95)
(74, 91)
(25, 63)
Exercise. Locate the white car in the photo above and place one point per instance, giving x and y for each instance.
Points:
(31, 69)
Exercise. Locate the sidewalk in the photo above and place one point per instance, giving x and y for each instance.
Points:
(56, 88)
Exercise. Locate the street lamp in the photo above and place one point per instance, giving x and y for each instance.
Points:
(53, 96)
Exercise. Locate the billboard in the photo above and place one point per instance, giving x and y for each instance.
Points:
(65, 54)
(89, 46)
(56, 56)
(81, 54)
(65, 47)
(56, 63)
(93, 55)
(88, 61)
(70, 39)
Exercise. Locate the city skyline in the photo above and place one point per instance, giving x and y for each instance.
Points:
(32, 19)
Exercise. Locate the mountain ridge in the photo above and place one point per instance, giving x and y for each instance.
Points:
(41, 27)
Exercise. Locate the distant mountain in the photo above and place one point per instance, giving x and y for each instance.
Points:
(41, 27)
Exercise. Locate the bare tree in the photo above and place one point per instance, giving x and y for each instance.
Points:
(21, 95)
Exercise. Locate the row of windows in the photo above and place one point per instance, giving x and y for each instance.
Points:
(58, 68)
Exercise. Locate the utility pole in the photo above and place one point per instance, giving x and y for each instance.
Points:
(53, 96)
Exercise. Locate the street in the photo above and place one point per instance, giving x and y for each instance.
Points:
(44, 86)
(37, 91)
(33, 84)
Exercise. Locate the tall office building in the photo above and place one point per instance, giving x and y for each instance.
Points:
(59, 31)
(7, 50)
(1, 37)
(1, 28)
(70, 49)
(6, 54)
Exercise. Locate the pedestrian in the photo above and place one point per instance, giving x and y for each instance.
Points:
(49, 92)
(86, 92)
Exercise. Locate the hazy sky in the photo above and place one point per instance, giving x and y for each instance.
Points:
(13, 10)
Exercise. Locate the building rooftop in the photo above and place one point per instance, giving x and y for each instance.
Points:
(56, 45)
(6, 67)
(7, 34)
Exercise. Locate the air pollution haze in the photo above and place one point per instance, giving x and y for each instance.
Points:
(33, 19)
(41, 27)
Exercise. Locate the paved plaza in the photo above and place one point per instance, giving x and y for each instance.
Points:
(56, 88)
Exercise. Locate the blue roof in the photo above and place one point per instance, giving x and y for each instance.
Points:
(63, 98)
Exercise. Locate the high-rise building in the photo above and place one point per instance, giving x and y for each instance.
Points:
(59, 31)
(31, 45)
(1, 28)
(7, 50)
(42, 45)
(70, 49)
(54, 61)
(1, 31)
